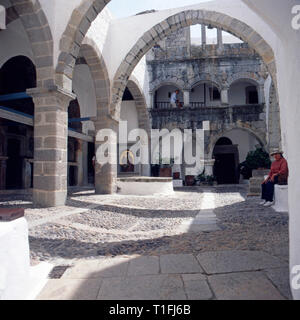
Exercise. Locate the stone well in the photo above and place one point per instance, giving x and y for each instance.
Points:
(141, 186)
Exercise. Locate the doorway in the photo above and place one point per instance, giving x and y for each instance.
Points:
(226, 162)
(225, 168)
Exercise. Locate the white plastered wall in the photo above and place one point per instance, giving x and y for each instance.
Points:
(16, 42)
(197, 95)
(237, 92)
(84, 89)
(129, 114)
(246, 142)
(58, 13)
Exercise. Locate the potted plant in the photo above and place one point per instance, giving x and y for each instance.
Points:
(189, 180)
(166, 167)
(176, 171)
(200, 178)
(210, 180)
(203, 179)
(256, 160)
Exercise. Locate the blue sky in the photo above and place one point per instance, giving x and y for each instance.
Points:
(125, 8)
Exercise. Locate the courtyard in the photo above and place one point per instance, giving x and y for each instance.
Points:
(83, 89)
(199, 243)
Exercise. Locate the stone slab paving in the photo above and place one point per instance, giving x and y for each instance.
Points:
(196, 287)
(166, 277)
(71, 289)
(145, 233)
(243, 286)
(280, 278)
(237, 260)
(104, 268)
(143, 266)
(157, 287)
(179, 263)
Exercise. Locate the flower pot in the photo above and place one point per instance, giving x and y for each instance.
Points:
(165, 172)
(189, 180)
(176, 175)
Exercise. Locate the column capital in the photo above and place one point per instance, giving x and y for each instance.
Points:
(65, 96)
(106, 121)
(224, 96)
(225, 88)
(209, 162)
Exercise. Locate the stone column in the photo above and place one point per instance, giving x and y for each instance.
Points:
(186, 98)
(85, 168)
(50, 145)
(152, 102)
(220, 38)
(106, 174)
(261, 94)
(224, 96)
(209, 166)
(203, 32)
(79, 159)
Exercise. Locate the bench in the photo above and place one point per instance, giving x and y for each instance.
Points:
(281, 202)
(10, 214)
(18, 280)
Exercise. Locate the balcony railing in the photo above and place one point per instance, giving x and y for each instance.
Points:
(197, 104)
(167, 105)
(197, 113)
(162, 105)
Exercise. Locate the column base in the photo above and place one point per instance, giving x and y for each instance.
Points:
(47, 199)
(102, 188)
(209, 166)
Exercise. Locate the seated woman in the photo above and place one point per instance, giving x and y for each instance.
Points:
(278, 175)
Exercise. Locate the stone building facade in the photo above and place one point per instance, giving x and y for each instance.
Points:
(221, 83)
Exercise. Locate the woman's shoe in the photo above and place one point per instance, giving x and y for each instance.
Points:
(263, 202)
(268, 203)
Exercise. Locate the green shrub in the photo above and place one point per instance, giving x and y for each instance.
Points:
(255, 159)
(203, 178)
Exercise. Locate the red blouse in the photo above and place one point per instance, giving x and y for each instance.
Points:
(279, 167)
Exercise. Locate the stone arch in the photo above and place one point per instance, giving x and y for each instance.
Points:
(37, 28)
(205, 77)
(249, 76)
(141, 105)
(178, 21)
(74, 34)
(93, 58)
(215, 138)
(274, 127)
(167, 82)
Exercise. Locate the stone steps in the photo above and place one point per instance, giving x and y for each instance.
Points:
(258, 176)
